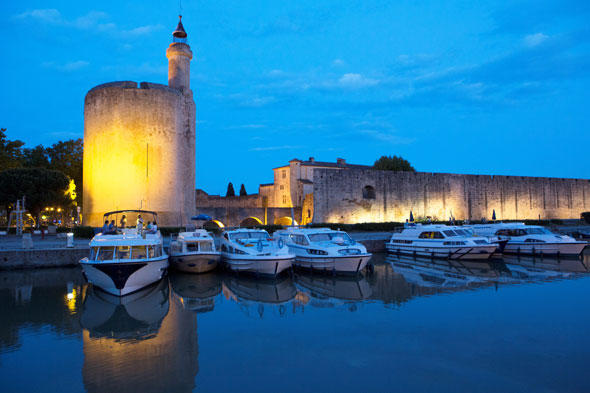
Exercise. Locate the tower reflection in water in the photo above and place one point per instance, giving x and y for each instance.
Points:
(144, 342)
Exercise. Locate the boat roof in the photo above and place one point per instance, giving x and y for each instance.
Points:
(241, 230)
(307, 231)
(199, 234)
(125, 239)
(505, 225)
(130, 211)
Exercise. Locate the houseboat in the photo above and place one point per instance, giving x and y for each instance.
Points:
(194, 252)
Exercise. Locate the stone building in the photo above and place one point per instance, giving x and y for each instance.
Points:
(328, 192)
(139, 144)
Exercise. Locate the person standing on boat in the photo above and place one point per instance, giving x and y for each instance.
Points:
(139, 223)
(105, 227)
(123, 222)
(112, 226)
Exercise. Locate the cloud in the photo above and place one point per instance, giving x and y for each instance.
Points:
(532, 40)
(356, 81)
(338, 63)
(246, 126)
(96, 21)
(386, 137)
(66, 67)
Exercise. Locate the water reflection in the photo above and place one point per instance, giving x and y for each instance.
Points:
(535, 268)
(196, 292)
(145, 342)
(245, 288)
(321, 290)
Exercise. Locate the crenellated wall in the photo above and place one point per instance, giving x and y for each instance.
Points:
(139, 151)
(338, 196)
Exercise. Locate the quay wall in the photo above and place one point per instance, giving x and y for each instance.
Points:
(41, 258)
(367, 195)
(139, 151)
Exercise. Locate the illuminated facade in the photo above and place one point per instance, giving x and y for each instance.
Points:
(139, 144)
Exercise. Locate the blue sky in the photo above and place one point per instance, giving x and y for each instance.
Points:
(454, 86)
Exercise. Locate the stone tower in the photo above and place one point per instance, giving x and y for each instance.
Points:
(139, 144)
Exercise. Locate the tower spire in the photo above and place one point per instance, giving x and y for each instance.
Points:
(179, 32)
(179, 55)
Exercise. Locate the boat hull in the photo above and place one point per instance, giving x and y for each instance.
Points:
(337, 264)
(195, 263)
(561, 249)
(266, 265)
(123, 278)
(470, 252)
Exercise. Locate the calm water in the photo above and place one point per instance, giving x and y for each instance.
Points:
(411, 325)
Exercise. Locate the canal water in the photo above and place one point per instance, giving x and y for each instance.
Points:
(410, 325)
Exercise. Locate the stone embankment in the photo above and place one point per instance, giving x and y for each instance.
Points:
(48, 252)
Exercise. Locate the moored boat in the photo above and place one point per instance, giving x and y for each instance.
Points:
(440, 241)
(194, 252)
(127, 259)
(254, 251)
(325, 249)
(531, 239)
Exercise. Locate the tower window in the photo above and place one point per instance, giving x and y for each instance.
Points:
(368, 192)
(284, 173)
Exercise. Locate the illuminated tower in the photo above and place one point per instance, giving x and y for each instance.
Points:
(139, 144)
(179, 56)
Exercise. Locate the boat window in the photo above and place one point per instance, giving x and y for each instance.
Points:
(206, 246)
(123, 252)
(462, 232)
(261, 235)
(538, 231)
(138, 252)
(502, 232)
(431, 235)
(534, 241)
(105, 253)
(192, 247)
(450, 233)
(300, 239)
(154, 251)
(329, 236)
(93, 252)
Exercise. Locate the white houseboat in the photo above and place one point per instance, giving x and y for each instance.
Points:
(325, 249)
(531, 239)
(439, 241)
(127, 259)
(194, 252)
(254, 251)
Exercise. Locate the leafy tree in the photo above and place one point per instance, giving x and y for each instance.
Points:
(393, 163)
(10, 151)
(41, 187)
(230, 190)
(243, 191)
(35, 158)
(67, 157)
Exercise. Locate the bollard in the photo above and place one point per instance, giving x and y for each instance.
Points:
(70, 240)
(27, 240)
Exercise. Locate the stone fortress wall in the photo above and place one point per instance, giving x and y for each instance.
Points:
(139, 151)
(366, 195)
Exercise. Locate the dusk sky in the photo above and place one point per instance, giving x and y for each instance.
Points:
(451, 86)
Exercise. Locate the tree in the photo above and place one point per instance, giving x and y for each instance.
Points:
(67, 157)
(393, 163)
(10, 152)
(41, 187)
(243, 191)
(35, 158)
(230, 190)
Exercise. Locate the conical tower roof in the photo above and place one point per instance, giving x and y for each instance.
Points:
(179, 32)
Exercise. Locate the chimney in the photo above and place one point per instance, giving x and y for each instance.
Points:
(341, 161)
(311, 159)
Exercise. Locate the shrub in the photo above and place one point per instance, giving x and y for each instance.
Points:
(82, 232)
(586, 217)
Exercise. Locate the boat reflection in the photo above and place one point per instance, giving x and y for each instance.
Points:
(536, 268)
(196, 292)
(143, 342)
(245, 289)
(325, 290)
(428, 272)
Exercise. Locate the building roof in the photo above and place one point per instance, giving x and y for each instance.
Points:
(179, 32)
(305, 181)
(333, 164)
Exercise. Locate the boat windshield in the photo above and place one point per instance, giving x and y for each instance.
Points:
(462, 232)
(330, 236)
(249, 236)
(538, 231)
(450, 233)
